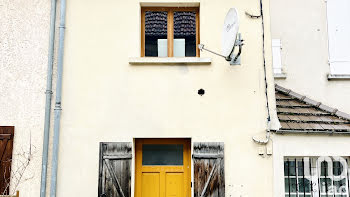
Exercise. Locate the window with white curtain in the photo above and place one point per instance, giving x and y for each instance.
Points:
(316, 177)
(338, 16)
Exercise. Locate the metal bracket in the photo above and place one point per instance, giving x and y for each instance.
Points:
(236, 59)
(232, 58)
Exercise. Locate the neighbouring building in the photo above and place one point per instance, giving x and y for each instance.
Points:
(311, 67)
(310, 49)
(24, 36)
(311, 154)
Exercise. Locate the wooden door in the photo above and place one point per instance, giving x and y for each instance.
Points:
(6, 144)
(163, 168)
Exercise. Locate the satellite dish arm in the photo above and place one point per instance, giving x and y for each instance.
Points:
(201, 47)
(232, 58)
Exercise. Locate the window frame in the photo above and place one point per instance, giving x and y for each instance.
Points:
(170, 26)
(315, 175)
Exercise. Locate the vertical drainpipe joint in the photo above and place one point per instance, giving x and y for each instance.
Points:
(58, 106)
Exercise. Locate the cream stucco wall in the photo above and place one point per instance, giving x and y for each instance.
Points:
(107, 99)
(24, 31)
(302, 28)
(304, 145)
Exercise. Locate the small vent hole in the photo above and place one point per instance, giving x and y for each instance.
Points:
(201, 92)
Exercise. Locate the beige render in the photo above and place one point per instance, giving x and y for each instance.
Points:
(302, 28)
(107, 99)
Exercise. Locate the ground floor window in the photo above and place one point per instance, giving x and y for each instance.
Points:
(316, 176)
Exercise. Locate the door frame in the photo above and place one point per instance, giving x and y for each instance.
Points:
(186, 142)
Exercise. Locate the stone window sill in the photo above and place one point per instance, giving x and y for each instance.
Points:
(280, 75)
(338, 77)
(170, 60)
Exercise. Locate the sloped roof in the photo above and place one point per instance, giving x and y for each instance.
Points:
(300, 114)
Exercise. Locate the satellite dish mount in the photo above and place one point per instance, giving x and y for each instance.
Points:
(230, 39)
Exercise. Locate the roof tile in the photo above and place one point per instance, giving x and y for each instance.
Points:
(300, 113)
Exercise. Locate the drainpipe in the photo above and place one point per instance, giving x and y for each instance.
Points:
(48, 100)
(58, 108)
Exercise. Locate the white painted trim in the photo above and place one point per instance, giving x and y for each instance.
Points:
(169, 60)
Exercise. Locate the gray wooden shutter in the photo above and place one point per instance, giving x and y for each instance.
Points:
(115, 169)
(209, 170)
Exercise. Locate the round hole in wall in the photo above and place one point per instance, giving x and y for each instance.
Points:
(201, 92)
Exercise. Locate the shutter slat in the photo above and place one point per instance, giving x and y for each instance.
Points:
(207, 156)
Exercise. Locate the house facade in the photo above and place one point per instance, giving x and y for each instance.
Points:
(145, 113)
(139, 110)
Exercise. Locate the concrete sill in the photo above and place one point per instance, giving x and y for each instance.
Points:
(280, 75)
(338, 77)
(170, 60)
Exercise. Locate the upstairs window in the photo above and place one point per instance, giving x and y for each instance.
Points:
(169, 32)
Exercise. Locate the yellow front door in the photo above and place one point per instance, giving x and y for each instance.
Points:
(163, 168)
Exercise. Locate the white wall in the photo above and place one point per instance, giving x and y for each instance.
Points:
(24, 30)
(302, 28)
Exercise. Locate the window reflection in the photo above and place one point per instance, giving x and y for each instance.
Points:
(156, 34)
(184, 34)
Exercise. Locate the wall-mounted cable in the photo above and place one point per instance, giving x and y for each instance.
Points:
(265, 141)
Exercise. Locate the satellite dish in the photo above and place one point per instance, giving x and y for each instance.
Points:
(229, 32)
(230, 39)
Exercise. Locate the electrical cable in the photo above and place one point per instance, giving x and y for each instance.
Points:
(264, 59)
(265, 141)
